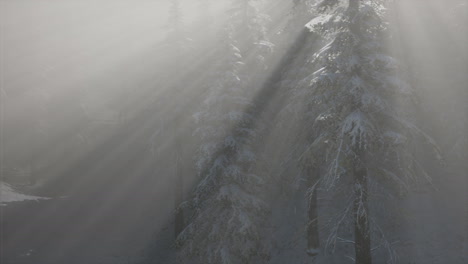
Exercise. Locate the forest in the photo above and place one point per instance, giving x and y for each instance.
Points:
(233, 131)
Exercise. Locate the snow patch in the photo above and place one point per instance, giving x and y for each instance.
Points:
(318, 21)
(8, 195)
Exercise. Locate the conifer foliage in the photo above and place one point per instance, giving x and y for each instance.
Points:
(357, 94)
(353, 104)
(227, 204)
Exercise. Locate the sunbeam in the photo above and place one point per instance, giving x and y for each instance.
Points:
(233, 131)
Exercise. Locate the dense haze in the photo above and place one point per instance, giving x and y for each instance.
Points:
(111, 112)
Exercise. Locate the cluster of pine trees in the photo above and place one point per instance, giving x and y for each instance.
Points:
(351, 137)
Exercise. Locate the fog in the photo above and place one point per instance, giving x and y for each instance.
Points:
(100, 112)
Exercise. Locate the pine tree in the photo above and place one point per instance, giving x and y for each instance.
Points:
(228, 206)
(357, 95)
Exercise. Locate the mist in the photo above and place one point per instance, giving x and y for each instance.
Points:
(233, 131)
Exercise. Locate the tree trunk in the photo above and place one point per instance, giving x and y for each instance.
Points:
(362, 240)
(313, 239)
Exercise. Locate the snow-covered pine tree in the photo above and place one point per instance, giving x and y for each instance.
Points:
(228, 204)
(361, 128)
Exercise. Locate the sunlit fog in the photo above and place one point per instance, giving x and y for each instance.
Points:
(233, 131)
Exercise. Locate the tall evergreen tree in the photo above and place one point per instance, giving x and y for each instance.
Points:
(358, 97)
(228, 206)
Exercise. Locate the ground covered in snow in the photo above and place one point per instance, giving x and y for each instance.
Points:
(8, 195)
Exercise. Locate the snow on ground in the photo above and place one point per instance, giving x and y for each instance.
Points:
(8, 195)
